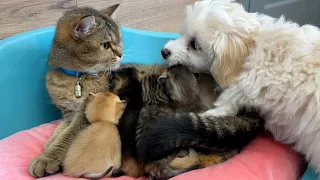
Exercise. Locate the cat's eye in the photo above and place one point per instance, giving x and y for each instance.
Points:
(106, 45)
(194, 44)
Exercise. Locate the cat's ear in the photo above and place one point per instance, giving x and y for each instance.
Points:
(110, 10)
(84, 27)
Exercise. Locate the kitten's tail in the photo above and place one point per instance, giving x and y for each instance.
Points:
(199, 131)
(98, 175)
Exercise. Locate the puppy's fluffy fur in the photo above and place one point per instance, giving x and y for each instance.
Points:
(96, 152)
(262, 62)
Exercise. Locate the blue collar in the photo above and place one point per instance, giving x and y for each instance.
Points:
(76, 73)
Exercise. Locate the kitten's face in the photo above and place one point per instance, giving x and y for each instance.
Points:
(104, 107)
(92, 39)
(125, 81)
(179, 83)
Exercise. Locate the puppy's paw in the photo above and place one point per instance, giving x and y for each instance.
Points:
(42, 165)
(217, 112)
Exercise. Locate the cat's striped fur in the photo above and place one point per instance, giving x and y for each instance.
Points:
(158, 122)
(205, 134)
(176, 90)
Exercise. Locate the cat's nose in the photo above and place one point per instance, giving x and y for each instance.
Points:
(165, 53)
(119, 57)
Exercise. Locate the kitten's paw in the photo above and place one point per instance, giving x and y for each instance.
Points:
(160, 171)
(42, 165)
(185, 159)
(131, 167)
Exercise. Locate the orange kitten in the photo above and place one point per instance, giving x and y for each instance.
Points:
(96, 151)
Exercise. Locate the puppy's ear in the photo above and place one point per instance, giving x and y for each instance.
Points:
(230, 52)
(110, 10)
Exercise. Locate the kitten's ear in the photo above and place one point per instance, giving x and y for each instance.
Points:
(197, 75)
(120, 107)
(163, 77)
(124, 103)
(140, 75)
(84, 27)
(162, 80)
(110, 10)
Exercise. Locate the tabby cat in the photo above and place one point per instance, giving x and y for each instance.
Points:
(87, 44)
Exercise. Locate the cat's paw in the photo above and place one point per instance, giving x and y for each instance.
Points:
(42, 165)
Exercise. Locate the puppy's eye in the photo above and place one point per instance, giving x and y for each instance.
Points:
(194, 45)
(106, 45)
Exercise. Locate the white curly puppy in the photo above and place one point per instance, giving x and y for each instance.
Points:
(262, 62)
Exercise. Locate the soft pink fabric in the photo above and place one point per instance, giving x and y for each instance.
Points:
(263, 159)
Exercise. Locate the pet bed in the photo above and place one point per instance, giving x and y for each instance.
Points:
(25, 104)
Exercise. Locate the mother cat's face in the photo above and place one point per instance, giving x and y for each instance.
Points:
(87, 40)
(102, 47)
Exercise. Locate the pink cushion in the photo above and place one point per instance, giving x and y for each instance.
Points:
(262, 159)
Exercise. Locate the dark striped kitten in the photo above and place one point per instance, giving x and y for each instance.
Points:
(125, 83)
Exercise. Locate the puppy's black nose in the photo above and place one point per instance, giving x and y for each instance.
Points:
(165, 53)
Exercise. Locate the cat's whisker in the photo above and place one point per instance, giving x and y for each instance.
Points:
(133, 44)
(135, 51)
(127, 55)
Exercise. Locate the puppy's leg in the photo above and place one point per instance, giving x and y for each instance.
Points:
(228, 103)
(50, 161)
